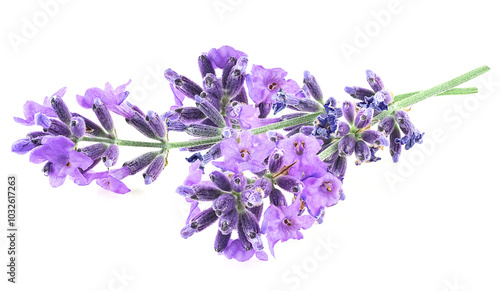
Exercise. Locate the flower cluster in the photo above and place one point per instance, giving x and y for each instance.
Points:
(270, 182)
(58, 143)
(275, 152)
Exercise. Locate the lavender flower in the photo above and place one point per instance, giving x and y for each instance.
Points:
(111, 98)
(248, 154)
(31, 108)
(284, 223)
(264, 83)
(378, 98)
(61, 159)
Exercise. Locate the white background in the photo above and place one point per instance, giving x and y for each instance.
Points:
(433, 228)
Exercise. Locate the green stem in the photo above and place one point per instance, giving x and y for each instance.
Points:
(454, 91)
(329, 150)
(286, 123)
(422, 95)
(123, 142)
(191, 143)
(203, 141)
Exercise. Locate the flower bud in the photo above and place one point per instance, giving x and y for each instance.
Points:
(236, 78)
(251, 230)
(173, 125)
(94, 151)
(374, 81)
(210, 111)
(395, 147)
(339, 166)
(343, 129)
(103, 115)
(247, 245)
(220, 180)
(277, 198)
(265, 185)
(203, 220)
(358, 92)
(290, 183)
(374, 137)
(138, 122)
(154, 169)
(202, 130)
(251, 198)
(22, 146)
(60, 109)
(205, 66)
(312, 86)
(227, 70)
(224, 204)
(363, 118)
(110, 156)
(221, 241)
(205, 192)
(213, 86)
(77, 126)
(348, 111)
(362, 151)
(91, 127)
(257, 211)
(189, 114)
(183, 84)
(346, 145)
(140, 162)
(386, 125)
(238, 182)
(156, 124)
(228, 221)
(276, 160)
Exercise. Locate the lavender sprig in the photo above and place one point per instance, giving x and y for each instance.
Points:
(269, 175)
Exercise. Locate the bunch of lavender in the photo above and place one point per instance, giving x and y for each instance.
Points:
(275, 153)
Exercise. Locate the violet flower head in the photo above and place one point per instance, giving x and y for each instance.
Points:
(412, 134)
(220, 56)
(378, 97)
(264, 83)
(30, 108)
(111, 98)
(320, 193)
(247, 154)
(61, 159)
(284, 223)
(302, 150)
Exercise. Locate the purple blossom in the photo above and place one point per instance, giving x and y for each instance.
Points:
(264, 83)
(248, 116)
(31, 108)
(112, 99)
(109, 180)
(284, 223)
(62, 160)
(236, 250)
(219, 56)
(321, 192)
(248, 154)
(301, 150)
